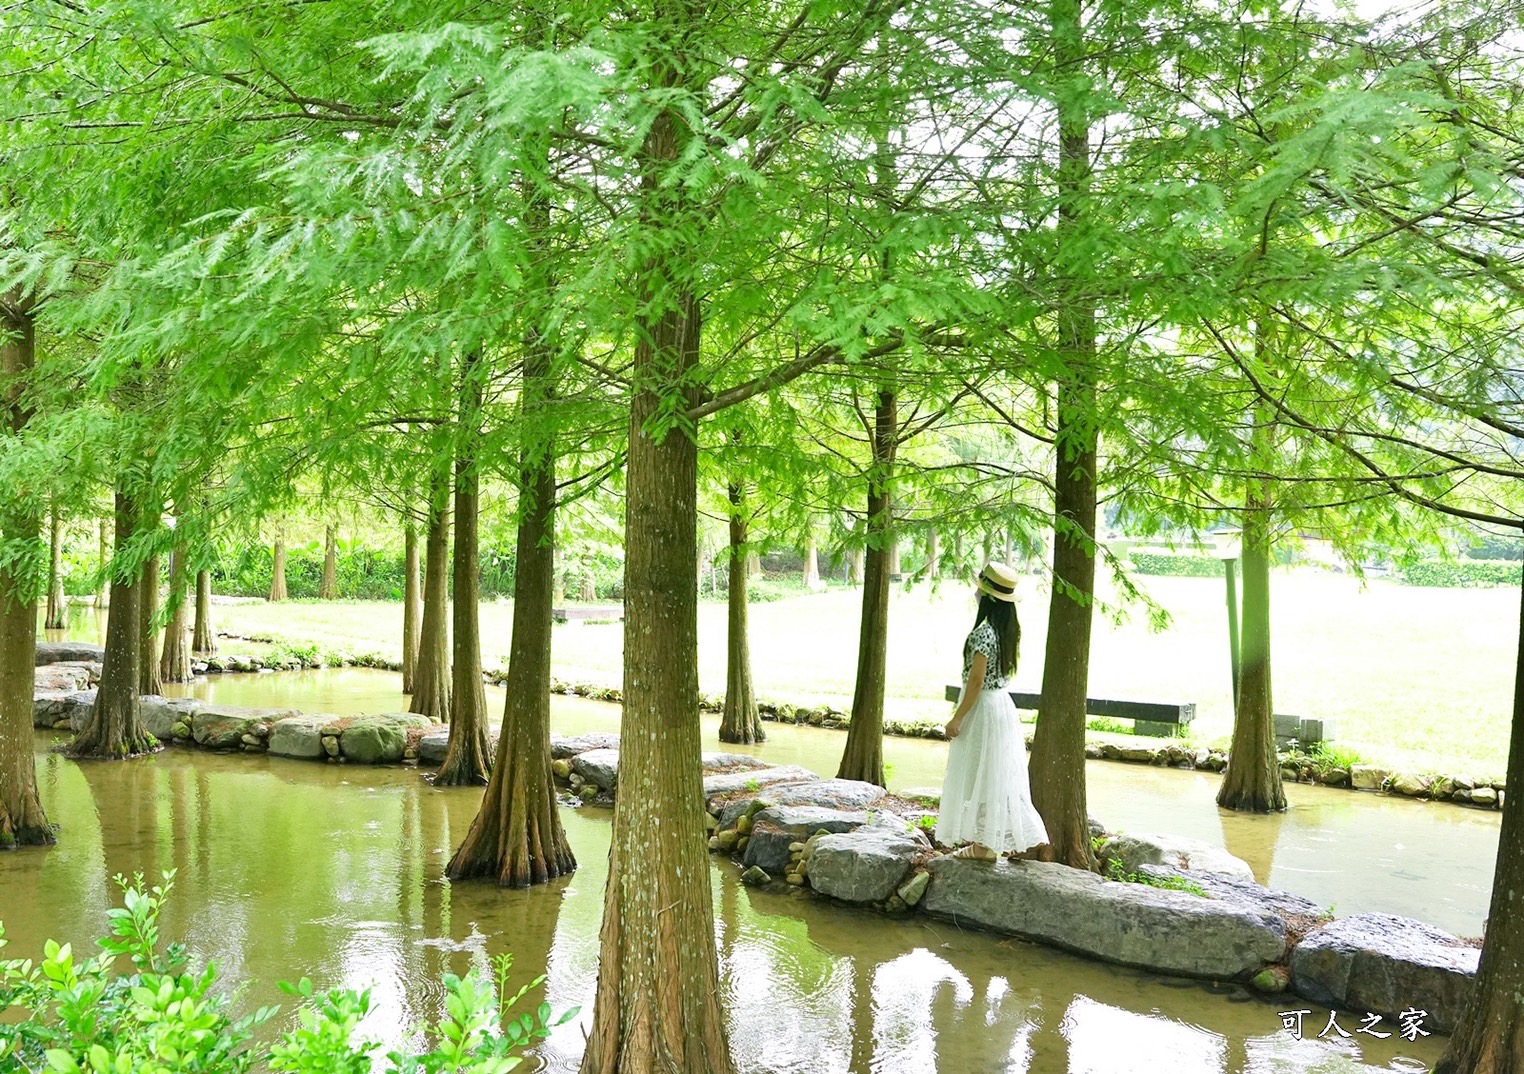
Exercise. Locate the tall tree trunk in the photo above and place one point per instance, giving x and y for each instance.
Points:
(411, 609)
(933, 556)
(103, 578)
(658, 1000)
(469, 753)
(175, 664)
(22, 821)
(741, 722)
(589, 591)
(863, 757)
(205, 641)
(431, 677)
(1009, 555)
(1489, 1038)
(1253, 778)
(329, 588)
(517, 838)
(116, 728)
(1058, 749)
(148, 632)
(57, 617)
(812, 563)
(856, 561)
(894, 557)
(278, 570)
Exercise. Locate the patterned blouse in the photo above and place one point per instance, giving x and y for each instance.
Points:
(983, 639)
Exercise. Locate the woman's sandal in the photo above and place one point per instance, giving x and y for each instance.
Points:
(972, 852)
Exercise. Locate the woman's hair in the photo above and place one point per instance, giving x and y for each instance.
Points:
(1002, 616)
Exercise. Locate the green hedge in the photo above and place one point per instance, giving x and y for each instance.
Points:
(1182, 566)
(362, 574)
(1466, 572)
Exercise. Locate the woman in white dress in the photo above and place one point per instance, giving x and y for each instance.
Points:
(986, 796)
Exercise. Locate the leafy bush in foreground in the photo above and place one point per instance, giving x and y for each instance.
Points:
(65, 1016)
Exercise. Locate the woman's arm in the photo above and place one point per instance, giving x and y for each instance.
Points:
(970, 694)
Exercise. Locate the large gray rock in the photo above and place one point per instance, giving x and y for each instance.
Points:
(774, 828)
(300, 735)
(379, 738)
(865, 865)
(222, 727)
(62, 711)
(1131, 924)
(64, 678)
(1191, 855)
(48, 707)
(827, 793)
(432, 746)
(160, 714)
(732, 762)
(754, 780)
(79, 707)
(1244, 892)
(598, 767)
(561, 746)
(1385, 964)
(55, 652)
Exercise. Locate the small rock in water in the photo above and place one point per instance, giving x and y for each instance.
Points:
(755, 876)
(1272, 980)
(250, 740)
(1486, 796)
(1411, 785)
(587, 792)
(331, 745)
(744, 823)
(910, 891)
(562, 768)
(727, 839)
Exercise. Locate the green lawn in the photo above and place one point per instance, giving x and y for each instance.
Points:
(1414, 677)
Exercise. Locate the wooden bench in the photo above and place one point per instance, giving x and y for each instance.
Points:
(593, 614)
(1149, 717)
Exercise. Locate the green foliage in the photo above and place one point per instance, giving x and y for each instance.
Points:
(1106, 723)
(1496, 547)
(1322, 757)
(1179, 566)
(307, 655)
(1468, 573)
(71, 1017)
(1115, 870)
(363, 573)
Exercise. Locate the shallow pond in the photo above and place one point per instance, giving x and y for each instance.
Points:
(1351, 850)
(287, 868)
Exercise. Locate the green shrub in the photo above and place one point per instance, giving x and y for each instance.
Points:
(1464, 573)
(1172, 564)
(361, 573)
(69, 1017)
(1115, 870)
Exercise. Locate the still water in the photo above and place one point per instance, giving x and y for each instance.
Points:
(287, 868)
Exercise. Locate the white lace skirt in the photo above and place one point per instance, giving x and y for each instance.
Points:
(986, 796)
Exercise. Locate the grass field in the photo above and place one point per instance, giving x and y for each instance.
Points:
(1413, 677)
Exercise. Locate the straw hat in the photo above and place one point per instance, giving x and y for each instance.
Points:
(999, 581)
